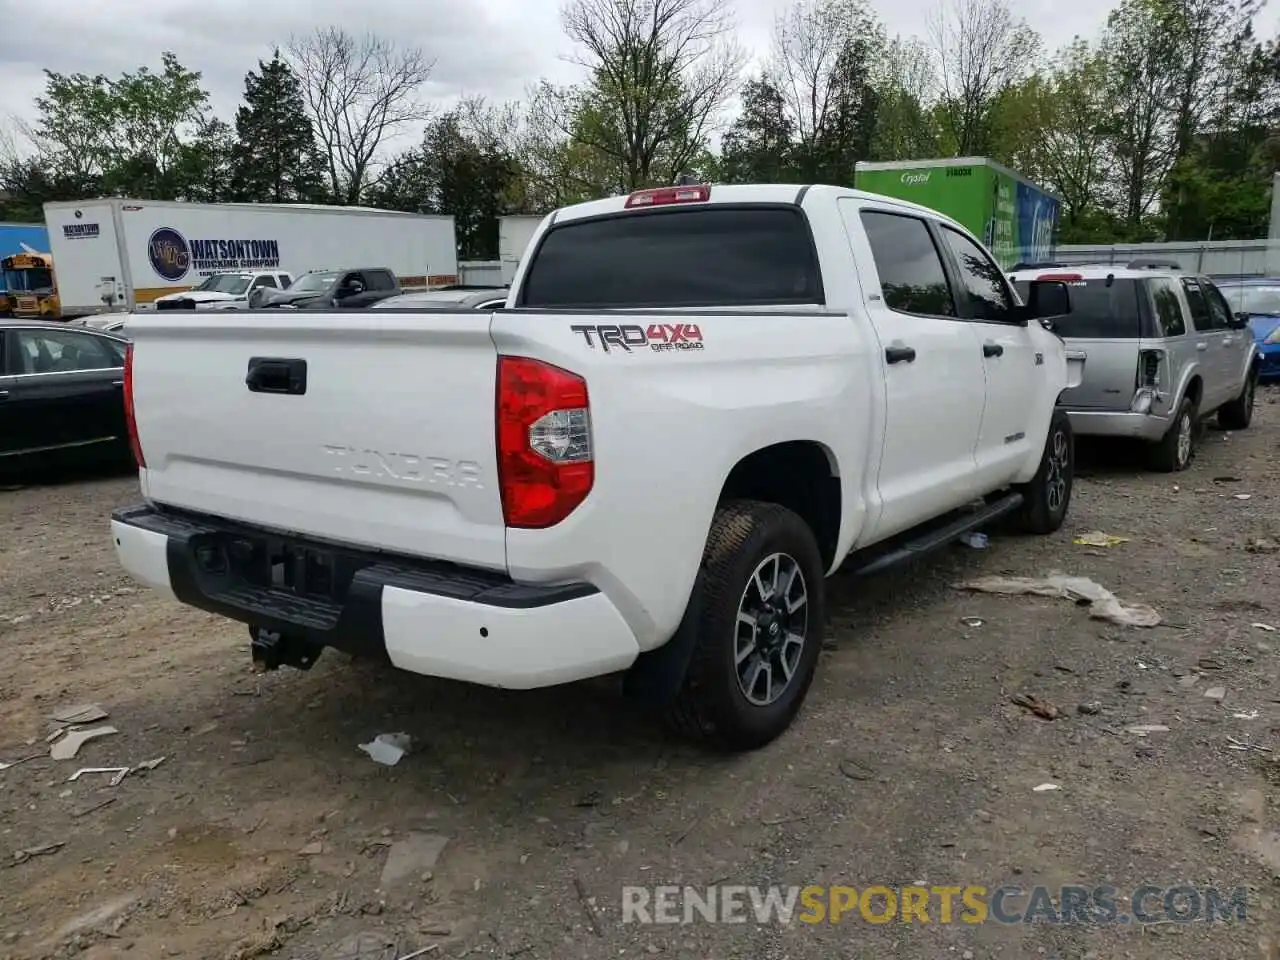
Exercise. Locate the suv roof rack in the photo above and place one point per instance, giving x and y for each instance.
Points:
(1153, 263)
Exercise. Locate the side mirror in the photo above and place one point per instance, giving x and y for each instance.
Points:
(1047, 298)
(1238, 321)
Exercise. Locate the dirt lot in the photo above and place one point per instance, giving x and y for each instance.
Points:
(265, 831)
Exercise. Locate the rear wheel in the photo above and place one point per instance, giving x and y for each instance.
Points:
(758, 616)
(1176, 449)
(1048, 495)
(1238, 414)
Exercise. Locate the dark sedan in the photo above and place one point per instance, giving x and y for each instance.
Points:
(61, 396)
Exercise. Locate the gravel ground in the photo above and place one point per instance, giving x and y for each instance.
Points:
(265, 831)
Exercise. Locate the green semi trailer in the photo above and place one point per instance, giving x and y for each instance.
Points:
(1014, 217)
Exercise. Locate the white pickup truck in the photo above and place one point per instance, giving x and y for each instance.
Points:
(697, 403)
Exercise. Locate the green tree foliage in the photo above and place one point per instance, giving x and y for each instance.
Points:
(274, 158)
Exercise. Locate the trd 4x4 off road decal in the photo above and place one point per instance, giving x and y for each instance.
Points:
(626, 336)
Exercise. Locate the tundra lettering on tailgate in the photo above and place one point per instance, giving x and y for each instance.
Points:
(658, 336)
(413, 467)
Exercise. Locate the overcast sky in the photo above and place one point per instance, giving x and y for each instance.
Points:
(489, 47)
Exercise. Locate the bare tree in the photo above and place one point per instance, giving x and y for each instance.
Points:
(360, 92)
(982, 51)
(661, 70)
(808, 40)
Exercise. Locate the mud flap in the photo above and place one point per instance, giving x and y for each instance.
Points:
(657, 675)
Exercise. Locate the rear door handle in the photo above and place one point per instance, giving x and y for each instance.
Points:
(990, 349)
(286, 375)
(900, 354)
(1202, 345)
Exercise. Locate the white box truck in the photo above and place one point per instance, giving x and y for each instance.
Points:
(114, 254)
(514, 234)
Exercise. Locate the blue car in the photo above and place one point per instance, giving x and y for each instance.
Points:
(1259, 297)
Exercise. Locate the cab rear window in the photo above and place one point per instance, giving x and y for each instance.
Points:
(1100, 310)
(704, 257)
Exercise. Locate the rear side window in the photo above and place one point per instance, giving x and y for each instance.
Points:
(1219, 312)
(379, 280)
(1100, 310)
(911, 275)
(1168, 309)
(712, 256)
(1199, 306)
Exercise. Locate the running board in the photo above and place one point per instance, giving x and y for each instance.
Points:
(938, 536)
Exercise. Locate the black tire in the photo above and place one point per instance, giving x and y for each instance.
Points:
(712, 706)
(1177, 448)
(1048, 496)
(1238, 414)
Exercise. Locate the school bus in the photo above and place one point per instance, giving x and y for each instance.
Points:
(32, 289)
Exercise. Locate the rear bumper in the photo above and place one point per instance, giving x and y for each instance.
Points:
(1118, 423)
(431, 618)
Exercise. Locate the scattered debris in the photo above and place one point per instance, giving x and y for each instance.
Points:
(1142, 729)
(856, 769)
(1246, 715)
(1243, 496)
(111, 913)
(1102, 603)
(312, 849)
(388, 748)
(1190, 680)
(147, 765)
(978, 541)
(1261, 545)
(69, 745)
(1235, 744)
(1045, 787)
(972, 621)
(1215, 693)
(1226, 479)
(97, 806)
(420, 953)
(413, 856)
(1041, 708)
(1257, 626)
(22, 856)
(587, 907)
(14, 763)
(1096, 538)
(120, 773)
(1210, 663)
(1089, 709)
(78, 714)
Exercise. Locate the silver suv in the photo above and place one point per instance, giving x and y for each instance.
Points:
(1163, 349)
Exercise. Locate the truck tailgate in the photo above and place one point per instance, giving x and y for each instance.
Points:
(370, 428)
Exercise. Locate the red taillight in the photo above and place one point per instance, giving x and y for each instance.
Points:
(1061, 277)
(664, 196)
(545, 466)
(131, 424)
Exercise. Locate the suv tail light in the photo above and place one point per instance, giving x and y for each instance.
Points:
(545, 465)
(131, 423)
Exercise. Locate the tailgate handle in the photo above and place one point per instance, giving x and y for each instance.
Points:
(277, 375)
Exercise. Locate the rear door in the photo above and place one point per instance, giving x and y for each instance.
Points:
(1236, 344)
(1212, 342)
(1010, 361)
(932, 367)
